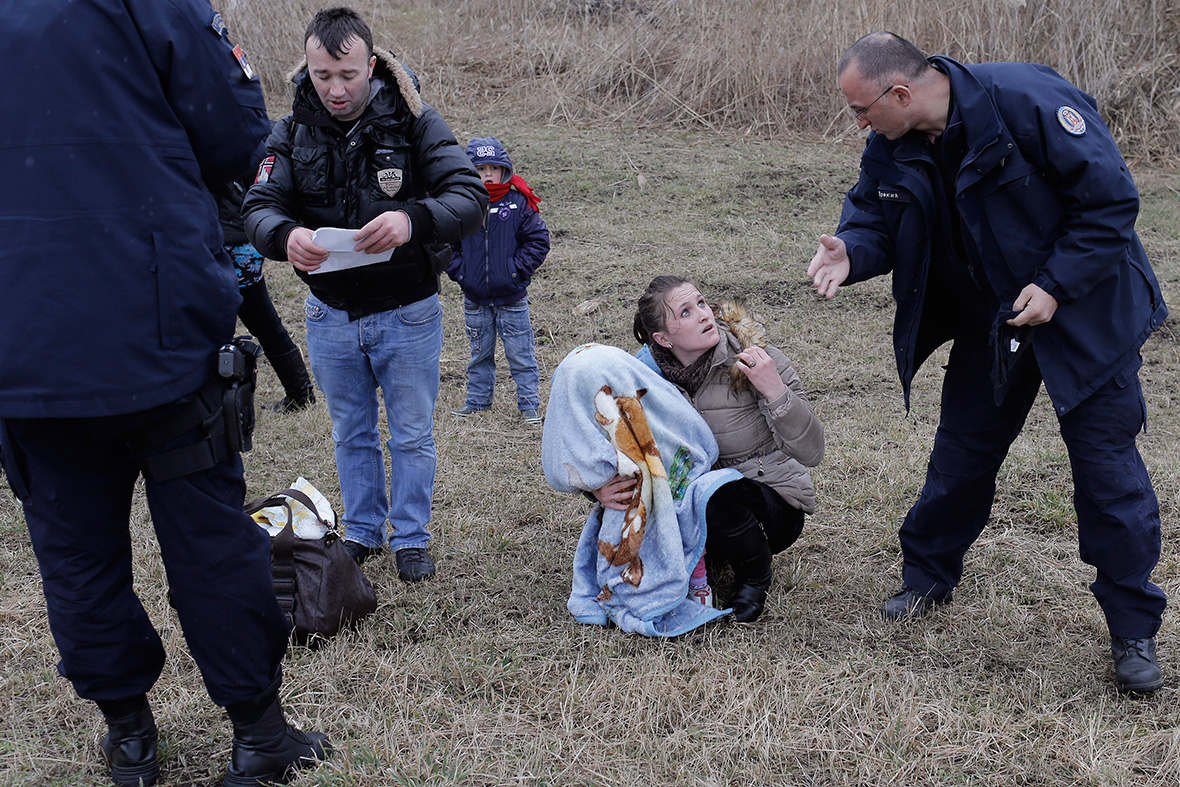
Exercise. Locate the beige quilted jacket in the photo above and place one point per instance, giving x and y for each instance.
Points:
(772, 442)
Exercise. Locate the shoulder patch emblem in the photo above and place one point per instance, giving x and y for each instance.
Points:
(1071, 120)
(217, 24)
(264, 169)
(243, 62)
(390, 181)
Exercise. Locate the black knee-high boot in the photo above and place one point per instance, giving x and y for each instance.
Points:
(297, 386)
(736, 536)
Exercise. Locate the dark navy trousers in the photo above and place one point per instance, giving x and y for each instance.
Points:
(1117, 511)
(75, 479)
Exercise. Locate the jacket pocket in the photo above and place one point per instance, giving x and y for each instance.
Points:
(163, 293)
(1023, 216)
(389, 174)
(310, 170)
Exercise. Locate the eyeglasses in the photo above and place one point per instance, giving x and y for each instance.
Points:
(856, 115)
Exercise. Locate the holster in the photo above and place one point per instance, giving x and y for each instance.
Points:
(222, 410)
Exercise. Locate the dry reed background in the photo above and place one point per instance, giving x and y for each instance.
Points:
(756, 66)
(480, 678)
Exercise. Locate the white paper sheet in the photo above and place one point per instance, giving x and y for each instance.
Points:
(341, 256)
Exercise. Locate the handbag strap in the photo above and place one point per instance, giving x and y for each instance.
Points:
(280, 498)
(283, 545)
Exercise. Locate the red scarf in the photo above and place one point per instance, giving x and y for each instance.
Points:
(497, 191)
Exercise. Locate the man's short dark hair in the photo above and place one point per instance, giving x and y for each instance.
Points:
(334, 27)
(882, 56)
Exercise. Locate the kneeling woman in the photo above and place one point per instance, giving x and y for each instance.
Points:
(753, 402)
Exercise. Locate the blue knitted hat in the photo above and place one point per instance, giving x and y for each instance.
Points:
(488, 150)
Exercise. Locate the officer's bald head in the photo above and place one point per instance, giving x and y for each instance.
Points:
(883, 57)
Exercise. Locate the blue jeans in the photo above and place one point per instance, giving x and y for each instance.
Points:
(511, 322)
(398, 351)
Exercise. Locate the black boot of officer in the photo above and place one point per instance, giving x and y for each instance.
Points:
(736, 536)
(266, 749)
(130, 743)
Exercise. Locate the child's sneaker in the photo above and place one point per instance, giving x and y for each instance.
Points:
(530, 416)
(701, 593)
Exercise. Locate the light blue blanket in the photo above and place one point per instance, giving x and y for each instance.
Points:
(578, 455)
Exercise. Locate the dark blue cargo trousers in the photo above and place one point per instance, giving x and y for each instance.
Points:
(1117, 512)
(75, 479)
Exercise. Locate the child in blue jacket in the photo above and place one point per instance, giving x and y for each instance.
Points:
(493, 267)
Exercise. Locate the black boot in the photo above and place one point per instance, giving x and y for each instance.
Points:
(297, 386)
(130, 748)
(266, 749)
(736, 537)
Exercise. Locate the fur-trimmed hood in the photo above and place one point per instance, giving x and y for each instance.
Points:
(388, 69)
(745, 330)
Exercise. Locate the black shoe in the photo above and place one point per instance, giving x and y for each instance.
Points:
(414, 564)
(748, 603)
(130, 749)
(291, 403)
(359, 552)
(268, 750)
(1135, 667)
(909, 603)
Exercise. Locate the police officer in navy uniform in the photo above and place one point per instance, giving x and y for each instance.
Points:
(999, 201)
(117, 297)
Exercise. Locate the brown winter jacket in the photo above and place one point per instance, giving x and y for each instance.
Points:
(772, 442)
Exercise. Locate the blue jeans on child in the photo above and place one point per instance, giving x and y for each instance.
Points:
(511, 322)
(397, 351)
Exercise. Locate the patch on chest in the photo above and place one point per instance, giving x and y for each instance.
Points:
(1071, 120)
(389, 181)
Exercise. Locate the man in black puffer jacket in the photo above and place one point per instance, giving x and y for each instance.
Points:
(360, 151)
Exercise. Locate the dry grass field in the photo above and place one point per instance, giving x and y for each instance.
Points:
(481, 679)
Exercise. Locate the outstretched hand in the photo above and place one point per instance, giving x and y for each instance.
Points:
(830, 266)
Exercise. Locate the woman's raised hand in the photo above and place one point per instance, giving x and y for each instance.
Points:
(757, 365)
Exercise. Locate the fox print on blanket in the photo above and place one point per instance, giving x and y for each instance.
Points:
(626, 425)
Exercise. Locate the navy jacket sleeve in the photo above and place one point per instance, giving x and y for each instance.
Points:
(864, 230)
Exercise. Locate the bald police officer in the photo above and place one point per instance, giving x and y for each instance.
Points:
(997, 198)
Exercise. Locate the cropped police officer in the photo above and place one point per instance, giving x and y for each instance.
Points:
(116, 300)
(1001, 204)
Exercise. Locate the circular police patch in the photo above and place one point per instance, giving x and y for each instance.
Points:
(1071, 120)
